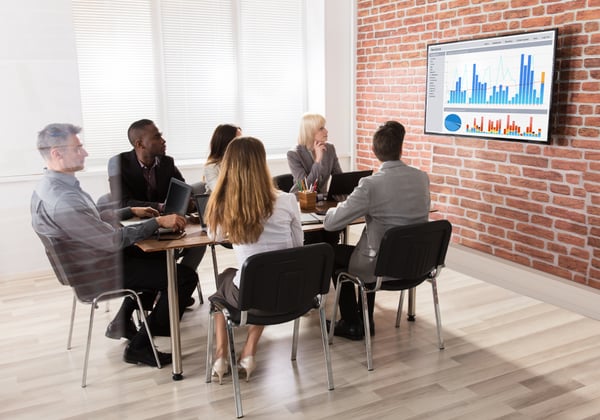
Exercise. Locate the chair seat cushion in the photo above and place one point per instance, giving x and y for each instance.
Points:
(258, 317)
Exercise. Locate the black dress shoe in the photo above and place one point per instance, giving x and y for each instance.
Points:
(145, 356)
(189, 302)
(351, 331)
(118, 329)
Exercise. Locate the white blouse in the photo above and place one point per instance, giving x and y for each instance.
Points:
(282, 230)
(211, 174)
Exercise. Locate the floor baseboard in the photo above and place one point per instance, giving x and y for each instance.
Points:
(524, 280)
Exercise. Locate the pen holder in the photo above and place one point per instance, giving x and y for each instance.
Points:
(308, 200)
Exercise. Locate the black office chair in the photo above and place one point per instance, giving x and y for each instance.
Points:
(283, 286)
(83, 293)
(408, 256)
(284, 182)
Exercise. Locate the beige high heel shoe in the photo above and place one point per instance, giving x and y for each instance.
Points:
(248, 364)
(220, 367)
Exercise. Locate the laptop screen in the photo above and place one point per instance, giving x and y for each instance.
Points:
(178, 197)
(201, 200)
(343, 184)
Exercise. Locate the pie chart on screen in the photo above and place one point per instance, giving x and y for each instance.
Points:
(452, 122)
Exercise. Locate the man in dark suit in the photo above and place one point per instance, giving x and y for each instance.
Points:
(140, 178)
(142, 175)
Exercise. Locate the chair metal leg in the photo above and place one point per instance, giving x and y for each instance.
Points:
(400, 303)
(412, 297)
(295, 338)
(89, 342)
(367, 327)
(209, 345)
(334, 313)
(438, 316)
(142, 315)
(234, 370)
(325, 340)
(72, 322)
(214, 261)
(200, 297)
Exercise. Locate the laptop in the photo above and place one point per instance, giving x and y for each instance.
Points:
(201, 200)
(178, 197)
(177, 201)
(343, 184)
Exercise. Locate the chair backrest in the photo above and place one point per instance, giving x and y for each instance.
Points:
(284, 182)
(106, 202)
(199, 187)
(283, 284)
(89, 274)
(412, 252)
(54, 260)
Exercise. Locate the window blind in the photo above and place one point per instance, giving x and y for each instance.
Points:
(190, 65)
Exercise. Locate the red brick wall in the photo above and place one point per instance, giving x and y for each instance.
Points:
(537, 205)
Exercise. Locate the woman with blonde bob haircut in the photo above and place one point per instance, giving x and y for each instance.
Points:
(255, 217)
(313, 160)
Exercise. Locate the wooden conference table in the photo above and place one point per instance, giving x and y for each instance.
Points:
(195, 237)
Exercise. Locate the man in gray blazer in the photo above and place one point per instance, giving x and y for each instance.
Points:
(396, 195)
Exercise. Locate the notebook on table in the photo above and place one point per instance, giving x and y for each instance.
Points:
(309, 219)
(343, 184)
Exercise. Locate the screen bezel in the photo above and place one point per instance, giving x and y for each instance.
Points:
(437, 127)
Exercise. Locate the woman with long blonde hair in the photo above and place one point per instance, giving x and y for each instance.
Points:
(255, 217)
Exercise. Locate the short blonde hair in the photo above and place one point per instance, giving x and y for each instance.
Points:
(309, 125)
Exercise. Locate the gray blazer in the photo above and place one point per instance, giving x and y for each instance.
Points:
(397, 195)
(302, 165)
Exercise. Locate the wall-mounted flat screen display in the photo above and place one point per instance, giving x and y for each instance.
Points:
(497, 88)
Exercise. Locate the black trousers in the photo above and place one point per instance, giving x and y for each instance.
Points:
(150, 274)
(350, 302)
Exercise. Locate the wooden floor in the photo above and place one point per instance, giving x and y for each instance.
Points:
(506, 357)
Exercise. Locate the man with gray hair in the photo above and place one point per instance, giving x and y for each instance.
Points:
(91, 243)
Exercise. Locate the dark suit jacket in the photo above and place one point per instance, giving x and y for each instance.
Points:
(128, 185)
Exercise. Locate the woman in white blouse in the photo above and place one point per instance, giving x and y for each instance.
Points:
(221, 137)
(256, 217)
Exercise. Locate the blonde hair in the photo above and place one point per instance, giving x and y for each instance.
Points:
(244, 196)
(309, 125)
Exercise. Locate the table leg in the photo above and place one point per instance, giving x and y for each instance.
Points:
(412, 296)
(173, 296)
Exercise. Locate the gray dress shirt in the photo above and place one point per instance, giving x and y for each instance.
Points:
(88, 242)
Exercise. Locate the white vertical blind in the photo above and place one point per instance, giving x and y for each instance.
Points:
(200, 71)
(190, 65)
(273, 81)
(117, 71)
